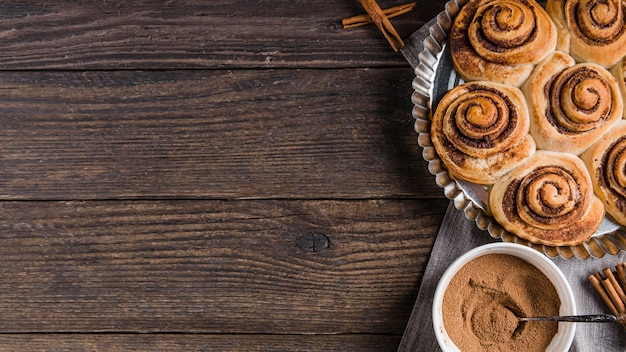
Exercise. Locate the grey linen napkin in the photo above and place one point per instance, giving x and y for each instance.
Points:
(456, 236)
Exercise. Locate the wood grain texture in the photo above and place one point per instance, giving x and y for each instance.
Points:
(197, 342)
(253, 267)
(208, 175)
(210, 134)
(194, 34)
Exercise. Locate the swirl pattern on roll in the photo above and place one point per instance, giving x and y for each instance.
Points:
(548, 200)
(500, 41)
(590, 30)
(606, 162)
(480, 131)
(615, 167)
(571, 105)
(619, 72)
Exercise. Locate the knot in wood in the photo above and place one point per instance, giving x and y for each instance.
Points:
(312, 242)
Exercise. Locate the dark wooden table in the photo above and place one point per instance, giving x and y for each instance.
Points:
(208, 175)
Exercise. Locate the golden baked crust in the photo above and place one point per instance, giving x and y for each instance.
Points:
(590, 31)
(569, 63)
(606, 161)
(571, 105)
(549, 199)
(618, 72)
(480, 131)
(500, 41)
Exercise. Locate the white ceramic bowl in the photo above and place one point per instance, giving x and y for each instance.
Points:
(565, 335)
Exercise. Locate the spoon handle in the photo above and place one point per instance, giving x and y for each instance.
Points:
(590, 318)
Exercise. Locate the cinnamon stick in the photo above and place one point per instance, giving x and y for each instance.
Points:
(616, 286)
(612, 290)
(603, 294)
(621, 274)
(383, 24)
(390, 12)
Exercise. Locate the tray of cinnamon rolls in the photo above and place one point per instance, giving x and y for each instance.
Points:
(520, 112)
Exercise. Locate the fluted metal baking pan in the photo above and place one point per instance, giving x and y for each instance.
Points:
(434, 76)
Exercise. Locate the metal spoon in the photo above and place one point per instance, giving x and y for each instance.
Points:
(590, 318)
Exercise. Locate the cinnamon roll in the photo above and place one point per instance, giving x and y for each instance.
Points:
(606, 161)
(548, 200)
(480, 131)
(590, 30)
(618, 72)
(571, 105)
(500, 41)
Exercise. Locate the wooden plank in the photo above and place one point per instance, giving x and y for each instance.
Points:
(197, 342)
(210, 134)
(195, 34)
(253, 267)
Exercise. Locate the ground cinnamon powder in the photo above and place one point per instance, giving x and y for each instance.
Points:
(485, 298)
